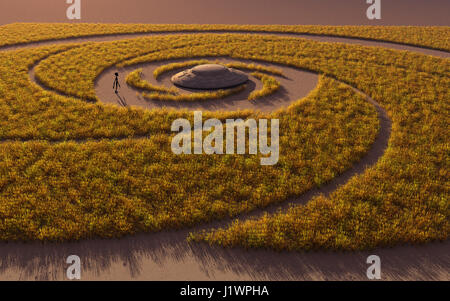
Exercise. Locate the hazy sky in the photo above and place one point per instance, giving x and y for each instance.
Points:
(332, 12)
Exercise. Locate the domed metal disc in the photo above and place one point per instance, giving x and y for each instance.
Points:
(209, 77)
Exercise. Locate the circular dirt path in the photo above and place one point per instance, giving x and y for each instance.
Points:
(295, 84)
(167, 256)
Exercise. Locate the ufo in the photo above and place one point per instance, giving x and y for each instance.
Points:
(209, 77)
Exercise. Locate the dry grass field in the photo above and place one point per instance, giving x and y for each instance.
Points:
(74, 168)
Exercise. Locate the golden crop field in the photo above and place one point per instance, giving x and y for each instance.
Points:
(432, 36)
(74, 168)
(198, 96)
(134, 79)
(174, 66)
(270, 86)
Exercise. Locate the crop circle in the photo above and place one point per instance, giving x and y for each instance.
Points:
(78, 170)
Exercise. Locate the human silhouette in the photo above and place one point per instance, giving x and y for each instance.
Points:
(116, 84)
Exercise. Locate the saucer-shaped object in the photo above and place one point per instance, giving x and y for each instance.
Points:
(209, 77)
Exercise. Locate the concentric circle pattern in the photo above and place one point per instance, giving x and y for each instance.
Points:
(80, 161)
(221, 81)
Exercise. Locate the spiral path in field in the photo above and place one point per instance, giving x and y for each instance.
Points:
(166, 255)
(295, 84)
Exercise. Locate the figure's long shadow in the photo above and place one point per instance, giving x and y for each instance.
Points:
(121, 99)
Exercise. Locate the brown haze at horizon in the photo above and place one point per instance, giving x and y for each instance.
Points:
(324, 12)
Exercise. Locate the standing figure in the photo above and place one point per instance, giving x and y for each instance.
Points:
(116, 84)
